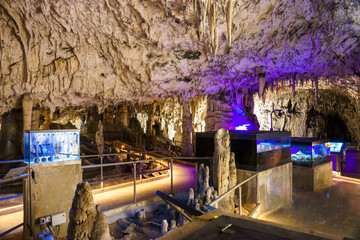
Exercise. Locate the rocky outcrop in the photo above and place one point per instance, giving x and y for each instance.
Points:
(223, 166)
(83, 53)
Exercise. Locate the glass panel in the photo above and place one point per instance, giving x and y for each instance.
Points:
(49, 146)
(301, 154)
(272, 144)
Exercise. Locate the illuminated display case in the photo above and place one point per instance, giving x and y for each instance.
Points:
(254, 150)
(309, 152)
(42, 146)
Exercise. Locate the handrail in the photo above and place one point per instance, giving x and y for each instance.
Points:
(195, 158)
(229, 191)
(121, 153)
(12, 179)
(254, 209)
(12, 161)
(124, 163)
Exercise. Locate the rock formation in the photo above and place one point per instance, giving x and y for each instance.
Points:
(336, 113)
(223, 166)
(85, 223)
(80, 53)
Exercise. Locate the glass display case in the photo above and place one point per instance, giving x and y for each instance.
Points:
(254, 150)
(309, 152)
(42, 146)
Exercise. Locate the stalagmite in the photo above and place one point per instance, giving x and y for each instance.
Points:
(187, 130)
(221, 169)
(164, 227)
(85, 222)
(99, 138)
(229, 10)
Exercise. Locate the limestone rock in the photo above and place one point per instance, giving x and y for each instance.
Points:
(222, 171)
(335, 115)
(164, 226)
(100, 229)
(86, 222)
(82, 213)
(190, 200)
(79, 53)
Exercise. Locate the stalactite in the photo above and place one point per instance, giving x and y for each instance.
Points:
(204, 9)
(293, 84)
(316, 89)
(229, 10)
(262, 81)
(297, 77)
(212, 13)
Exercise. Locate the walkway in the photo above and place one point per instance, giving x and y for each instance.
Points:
(334, 211)
(184, 178)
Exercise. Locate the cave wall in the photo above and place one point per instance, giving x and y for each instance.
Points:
(335, 115)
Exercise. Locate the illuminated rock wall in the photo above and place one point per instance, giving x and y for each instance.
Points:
(335, 115)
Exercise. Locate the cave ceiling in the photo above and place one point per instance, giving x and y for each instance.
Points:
(84, 52)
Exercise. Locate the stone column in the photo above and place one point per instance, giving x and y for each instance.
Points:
(150, 121)
(223, 169)
(187, 131)
(27, 104)
(124, 115)
(99, 138)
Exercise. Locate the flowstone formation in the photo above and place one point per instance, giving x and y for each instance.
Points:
(86, 222)
(82, 53)
(224, 169)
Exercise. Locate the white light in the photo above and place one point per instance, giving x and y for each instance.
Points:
(242, 127)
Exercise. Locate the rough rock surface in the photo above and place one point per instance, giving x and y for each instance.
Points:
(80, 53)
(84, 222)
(335, 115)
(223, 169)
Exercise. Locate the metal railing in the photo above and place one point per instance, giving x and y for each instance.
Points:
(134, 163)
(141, 154)
(238, 186)
(24, 177)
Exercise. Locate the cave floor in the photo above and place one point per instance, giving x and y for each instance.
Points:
(334, 211)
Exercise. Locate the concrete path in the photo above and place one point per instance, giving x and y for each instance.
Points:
(184, 178)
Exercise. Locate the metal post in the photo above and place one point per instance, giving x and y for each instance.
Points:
(172, 176)
(134, 182)
(101, 173)
(240, 210)
(128, 155)
(26, 208)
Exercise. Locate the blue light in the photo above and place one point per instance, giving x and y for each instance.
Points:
(242, 127)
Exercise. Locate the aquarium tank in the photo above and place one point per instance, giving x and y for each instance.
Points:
(310, 152)
(336, 147)
(43, 146)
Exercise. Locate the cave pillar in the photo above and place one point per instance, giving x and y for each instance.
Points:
(27, 104)
(124, 116)
(187, 131)
(151, 119)
(99, 138)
